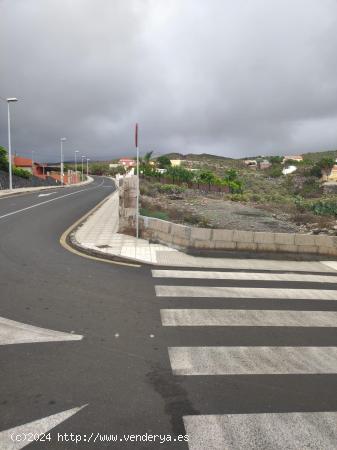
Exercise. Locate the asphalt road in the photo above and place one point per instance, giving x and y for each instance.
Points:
(120, 373)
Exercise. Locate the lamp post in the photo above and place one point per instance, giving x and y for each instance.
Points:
(76, 151)
(88, 159)
(82, 167)
(63, 139)
(32, 162)
(10, 100)
(137, 194)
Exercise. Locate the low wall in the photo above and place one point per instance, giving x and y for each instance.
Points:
(188, 238)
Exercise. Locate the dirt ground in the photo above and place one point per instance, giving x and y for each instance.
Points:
(236, 216)
(219, 213)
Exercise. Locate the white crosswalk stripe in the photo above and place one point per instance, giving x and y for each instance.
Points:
(247, 318)
(240, 292)
(255, 276)
(252, 360)
(295, 431)
(292, 430)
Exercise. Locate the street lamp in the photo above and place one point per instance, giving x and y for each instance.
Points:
(76, 151)
(63, 139)
(87, 167)
(10, 100)
(82, 166)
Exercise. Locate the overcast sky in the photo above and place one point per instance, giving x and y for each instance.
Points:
(229, 77)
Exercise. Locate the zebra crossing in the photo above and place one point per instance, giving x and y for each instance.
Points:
(199, 289)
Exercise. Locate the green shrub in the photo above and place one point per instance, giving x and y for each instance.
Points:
(325, 207)
(156, 214)
(3, 159)
(275, 172)
(255, 197)
(170, 189)
(21, 173)
(239, 198)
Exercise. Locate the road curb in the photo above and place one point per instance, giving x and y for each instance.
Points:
(69, 242)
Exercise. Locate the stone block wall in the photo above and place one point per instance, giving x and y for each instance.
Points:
(186, 238)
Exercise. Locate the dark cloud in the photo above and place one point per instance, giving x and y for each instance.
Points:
(232, 78)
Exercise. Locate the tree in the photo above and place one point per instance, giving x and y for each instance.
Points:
(163, 162)
(99, 168)
(147, 157)
(324, 165)
(179, 174)
(3, 159)
(206, 177)
(231, 175)
(276, 159)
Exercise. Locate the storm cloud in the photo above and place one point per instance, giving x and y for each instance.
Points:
(234, 78)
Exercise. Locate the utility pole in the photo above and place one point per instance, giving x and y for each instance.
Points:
(10, 100)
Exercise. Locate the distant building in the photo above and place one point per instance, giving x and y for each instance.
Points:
(113, 166)
(44, 171)
(263, 165)
(127, 162)
(289, 169)
(332, 176)
(35, 168)
(176, 162)
(297, 158)
(252, 163)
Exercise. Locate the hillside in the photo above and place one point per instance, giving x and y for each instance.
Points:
(195, 157)
(316, 156)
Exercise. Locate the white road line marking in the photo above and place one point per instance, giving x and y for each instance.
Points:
(252, 360)
(38, 427)
(267, 431)
(46, 195)
(200, 274)
(12, 332)
(239, 292)
(243, 318)
(47, 201)
(183, 260)
(331, 264)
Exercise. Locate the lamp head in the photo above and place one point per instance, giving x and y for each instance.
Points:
(11, 99)
(63, 139)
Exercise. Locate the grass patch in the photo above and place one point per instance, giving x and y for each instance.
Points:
(156, 214)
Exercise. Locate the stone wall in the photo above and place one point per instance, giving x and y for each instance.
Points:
(127, 204)
(189, 238)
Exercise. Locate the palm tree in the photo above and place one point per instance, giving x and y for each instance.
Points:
(147, 157)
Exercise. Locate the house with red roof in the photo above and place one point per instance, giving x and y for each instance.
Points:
(127, 162)
(35, 168)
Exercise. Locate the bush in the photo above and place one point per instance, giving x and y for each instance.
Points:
(21, 173)
(163, 162)
(170, 189)
(275, 172)
(3, 159)
(325, 207)
(156, 214)
(239, 198)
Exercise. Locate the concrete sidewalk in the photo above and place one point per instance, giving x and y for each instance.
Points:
(7, 192)
(99, 233)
